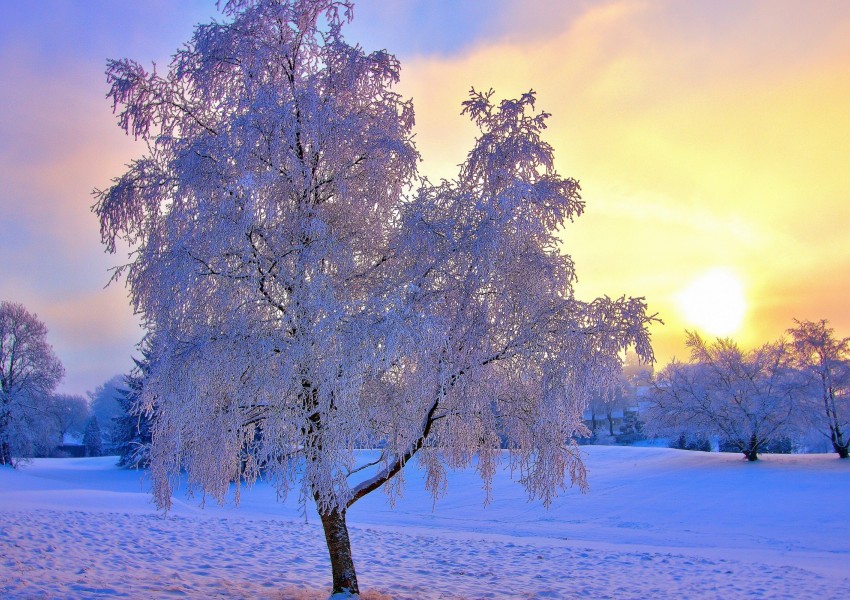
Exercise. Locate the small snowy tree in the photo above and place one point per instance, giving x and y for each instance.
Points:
(746, 399)
(824, 362)
(29, 371)
(307, 294)
(92, 437)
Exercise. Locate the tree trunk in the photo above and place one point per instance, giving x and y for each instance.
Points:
(838, 442)
(5, 453)
(5, 448)
(339, 547)
(5, 421)
(751, 451)
(610, 416)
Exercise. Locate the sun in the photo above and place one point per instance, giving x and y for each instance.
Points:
(714, 302)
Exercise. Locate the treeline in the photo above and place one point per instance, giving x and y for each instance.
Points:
(766, 399)
(777, 397)
(751, 400)
(35, 421)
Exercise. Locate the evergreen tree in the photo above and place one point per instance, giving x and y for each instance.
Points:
(91, 437)
(133, 427)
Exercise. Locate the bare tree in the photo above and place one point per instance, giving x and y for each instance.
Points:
(29, 371)
(747, 399)
(309, 294)
(824, 362)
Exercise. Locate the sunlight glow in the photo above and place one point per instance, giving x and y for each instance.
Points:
(714, 302)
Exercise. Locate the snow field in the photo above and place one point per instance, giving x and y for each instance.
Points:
(657, 523)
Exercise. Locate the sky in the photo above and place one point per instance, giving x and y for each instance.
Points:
(710, 138)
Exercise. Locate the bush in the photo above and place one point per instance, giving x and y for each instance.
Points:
(685, 442)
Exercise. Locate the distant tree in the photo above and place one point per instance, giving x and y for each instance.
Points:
(66, 414)
(308, 294)
(92, 437)
(824, 362)
(608, 402)
(105, 404)
(596, 408)
(622, 398)
(636, 372)
(29, 372)
(631, 429)
(746, 399)
(133, 433)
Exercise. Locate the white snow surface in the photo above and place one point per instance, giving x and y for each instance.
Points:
(656, 523)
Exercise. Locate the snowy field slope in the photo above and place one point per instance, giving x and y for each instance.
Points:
(656, 523)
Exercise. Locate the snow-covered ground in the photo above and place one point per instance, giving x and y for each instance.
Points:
(656, 523)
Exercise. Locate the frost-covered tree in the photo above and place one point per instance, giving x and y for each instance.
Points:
(29, 372)
(636, 373)
(133, 435)
(105, 404)
(605, 403)
(307, 294)
(92, 437)
(621, 396)
(66, 415)
(824, 362)
(747, 399)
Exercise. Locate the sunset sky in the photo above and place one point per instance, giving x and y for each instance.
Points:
(711, 139)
